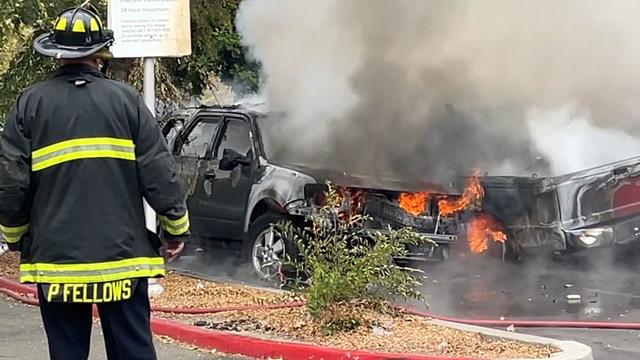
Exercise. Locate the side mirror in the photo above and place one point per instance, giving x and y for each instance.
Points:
(231, 159)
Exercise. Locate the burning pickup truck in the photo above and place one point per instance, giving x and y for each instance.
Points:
(236, 192)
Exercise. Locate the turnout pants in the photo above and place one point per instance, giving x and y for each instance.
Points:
(125, 324)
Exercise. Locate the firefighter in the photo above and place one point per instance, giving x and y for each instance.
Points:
(78, 154)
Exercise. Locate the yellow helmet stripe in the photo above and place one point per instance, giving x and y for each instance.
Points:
(62, 24)
(78, 26)
(94, 25)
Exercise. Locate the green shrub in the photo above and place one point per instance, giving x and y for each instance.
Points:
(348, 268)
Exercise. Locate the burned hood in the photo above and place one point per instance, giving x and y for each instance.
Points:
(387, 183)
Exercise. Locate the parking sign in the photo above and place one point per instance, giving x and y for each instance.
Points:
(150, 28)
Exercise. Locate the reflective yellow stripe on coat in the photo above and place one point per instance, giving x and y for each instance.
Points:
(12, 234)
(175, 227)
(85, 148)
(92, 272)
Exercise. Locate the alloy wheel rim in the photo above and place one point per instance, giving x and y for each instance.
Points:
(267, 254)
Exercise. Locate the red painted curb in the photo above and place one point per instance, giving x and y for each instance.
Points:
(230, 343)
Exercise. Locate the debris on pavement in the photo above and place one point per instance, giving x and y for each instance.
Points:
(573, 299)
(155, 289)
(200, 323)
(168, 340)
(442, 346)
(379, 331)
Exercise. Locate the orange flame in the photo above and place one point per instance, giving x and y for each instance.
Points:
(481, 228)
(414, 203)
(471, 197)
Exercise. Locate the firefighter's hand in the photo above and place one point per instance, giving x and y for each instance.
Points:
(172, 249)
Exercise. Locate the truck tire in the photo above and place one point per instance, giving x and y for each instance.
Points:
(263, 251)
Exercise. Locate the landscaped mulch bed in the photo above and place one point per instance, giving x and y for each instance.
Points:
(187, 292)
(399, 333)
(9, 265)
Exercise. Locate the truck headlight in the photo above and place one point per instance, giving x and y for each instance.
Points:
(593, 237)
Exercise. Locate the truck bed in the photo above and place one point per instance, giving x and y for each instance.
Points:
(548, 210)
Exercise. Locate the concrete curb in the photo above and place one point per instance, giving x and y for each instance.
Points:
(262, 348)
(571, 350)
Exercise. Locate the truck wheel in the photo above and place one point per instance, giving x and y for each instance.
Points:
(264, 250)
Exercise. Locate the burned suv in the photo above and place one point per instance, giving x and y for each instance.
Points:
(236, 192)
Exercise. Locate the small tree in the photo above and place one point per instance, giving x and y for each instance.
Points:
(350, 269)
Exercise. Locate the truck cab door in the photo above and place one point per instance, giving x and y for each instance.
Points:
(227, 187)
(192, 152)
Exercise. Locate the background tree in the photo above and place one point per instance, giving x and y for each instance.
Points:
(216, 52)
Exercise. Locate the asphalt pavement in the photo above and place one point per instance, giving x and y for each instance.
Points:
(606, 344)
(22, 338)
(601, 285)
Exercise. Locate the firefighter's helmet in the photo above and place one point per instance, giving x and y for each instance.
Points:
(77, 33)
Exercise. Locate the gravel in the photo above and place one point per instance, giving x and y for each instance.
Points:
(9, 265)
(187, 292)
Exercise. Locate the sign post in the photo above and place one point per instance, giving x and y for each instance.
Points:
(149, 92)
(150, 29)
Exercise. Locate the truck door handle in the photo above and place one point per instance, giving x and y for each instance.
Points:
(209, 175)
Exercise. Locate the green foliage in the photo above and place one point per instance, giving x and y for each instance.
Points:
(23, 21)
(347, 265)
(216, 49)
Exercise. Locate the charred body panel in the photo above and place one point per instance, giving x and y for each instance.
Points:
(281, 188)
(368, 182)
(384, 212)
(590, 208)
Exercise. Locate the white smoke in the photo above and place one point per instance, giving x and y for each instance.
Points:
(573, 143)
(432, 88)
